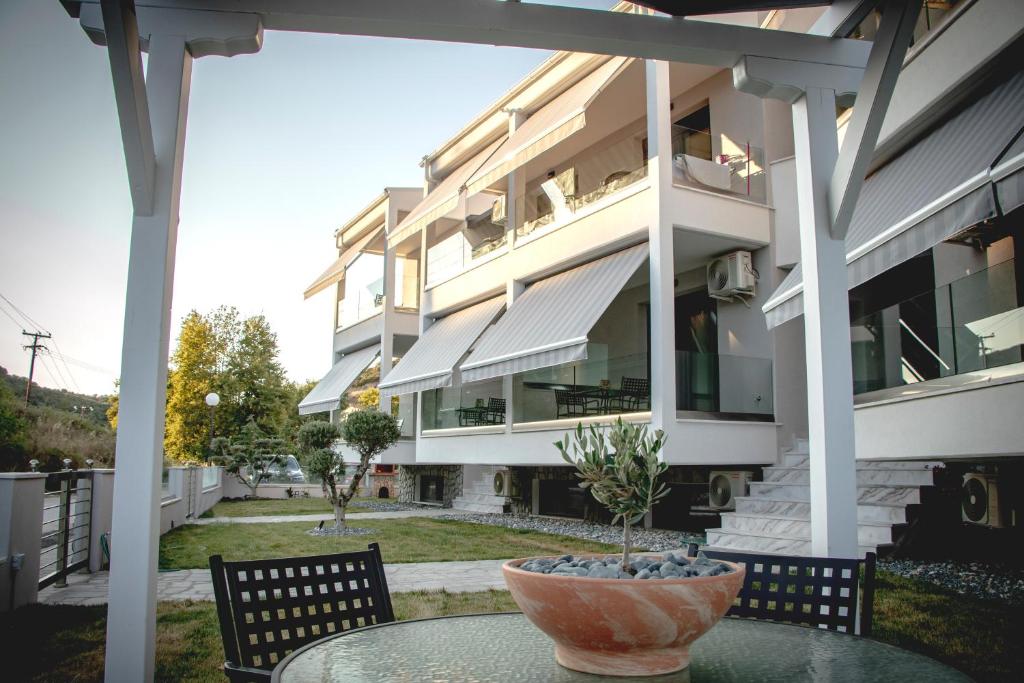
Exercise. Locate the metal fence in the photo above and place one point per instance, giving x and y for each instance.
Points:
(67, 514)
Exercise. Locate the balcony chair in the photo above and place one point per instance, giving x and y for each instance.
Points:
(268, 608)
(811, 591)
(495, 414)
(634, 394)
(574, 404)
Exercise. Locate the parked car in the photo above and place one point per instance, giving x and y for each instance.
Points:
(288, 471)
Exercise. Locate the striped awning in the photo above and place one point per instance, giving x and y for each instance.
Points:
(1008, 175)
(548, 323)
(336, 272)
(430, 362)
(326, 395)
(932, 191)
(548, 126)
(443, 199)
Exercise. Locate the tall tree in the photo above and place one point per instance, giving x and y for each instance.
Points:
(255, 381)
(193, 375)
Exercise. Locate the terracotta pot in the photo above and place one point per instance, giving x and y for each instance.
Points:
(622, 627)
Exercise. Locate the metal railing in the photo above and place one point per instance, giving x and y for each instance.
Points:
(67, 516)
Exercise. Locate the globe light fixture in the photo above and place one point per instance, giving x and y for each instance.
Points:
(212, 399)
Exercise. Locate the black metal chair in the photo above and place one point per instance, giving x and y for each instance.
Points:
(268, 608)
(573, 404)
(634, 394)
(812, 591)
(495, 411)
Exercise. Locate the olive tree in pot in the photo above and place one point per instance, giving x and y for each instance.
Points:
(367, 432)
(622, 616)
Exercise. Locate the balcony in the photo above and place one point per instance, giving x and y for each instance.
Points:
(469, 244)
(724, 387)
(729, 168)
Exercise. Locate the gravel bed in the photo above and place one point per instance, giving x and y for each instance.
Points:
(386, 506)
(331, 531)
(643, 539)
(976, 579)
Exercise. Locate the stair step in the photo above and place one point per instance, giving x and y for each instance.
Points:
(866, 513)
(464, 506)
(875, 493)
(719, 539)
(865, 477)
(803, 460)
(800, 529)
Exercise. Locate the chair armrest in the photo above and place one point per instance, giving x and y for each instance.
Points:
(245, 674)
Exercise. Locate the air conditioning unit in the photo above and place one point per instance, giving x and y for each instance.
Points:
(499, 211)
(725, 487)
(979, 500)
(503, 483)
(731, 275)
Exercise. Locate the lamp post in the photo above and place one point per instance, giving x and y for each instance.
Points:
(212, 400)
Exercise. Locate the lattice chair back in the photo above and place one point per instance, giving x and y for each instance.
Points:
(496, 408)
(637, 390)
(813, 591)
(268, 608)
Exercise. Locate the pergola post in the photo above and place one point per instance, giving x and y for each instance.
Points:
(135, 528)
(660, 237)
(827, 331)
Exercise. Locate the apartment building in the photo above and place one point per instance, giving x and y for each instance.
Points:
(615, 238)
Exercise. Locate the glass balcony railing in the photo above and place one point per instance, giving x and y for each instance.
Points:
(211, 477)
(597, 386)
(737, 169)
(724, 384)
(974, 323)
(454, 254)
(359, 306)
(586, 181)
(478, 404)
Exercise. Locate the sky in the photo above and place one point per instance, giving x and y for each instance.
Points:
(282, 147)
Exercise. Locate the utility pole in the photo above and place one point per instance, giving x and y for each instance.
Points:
(36, 347)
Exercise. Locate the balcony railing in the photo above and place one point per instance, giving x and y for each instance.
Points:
(974, 323)
(585, 182)
(454, 254)
(359, 306)
(724, 385)
(736, 169)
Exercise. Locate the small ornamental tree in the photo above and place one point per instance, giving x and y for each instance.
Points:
(621, 469)
(368, 433)
(253, 460)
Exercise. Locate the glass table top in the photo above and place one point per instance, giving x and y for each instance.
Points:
(507, 647)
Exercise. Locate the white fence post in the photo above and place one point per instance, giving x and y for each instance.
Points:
(21, 529)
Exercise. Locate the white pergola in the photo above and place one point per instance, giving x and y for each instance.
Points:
(807, 70)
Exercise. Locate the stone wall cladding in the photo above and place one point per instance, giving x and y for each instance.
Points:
(452, 481)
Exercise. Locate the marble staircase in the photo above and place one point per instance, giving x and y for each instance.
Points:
(775, 516)
(478, 491)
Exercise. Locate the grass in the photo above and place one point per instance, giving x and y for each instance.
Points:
(64, 643)
(264, 507)
(413, 539)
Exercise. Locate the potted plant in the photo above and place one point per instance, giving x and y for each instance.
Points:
(629, 616)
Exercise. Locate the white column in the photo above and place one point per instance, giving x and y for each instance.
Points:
(387, 333)
(131, 614)
(660, 235)
(515, 185)
(513, 289)
(827, 332)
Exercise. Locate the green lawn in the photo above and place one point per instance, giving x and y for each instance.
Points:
(64, 643)
(412, 539)
(261, 507)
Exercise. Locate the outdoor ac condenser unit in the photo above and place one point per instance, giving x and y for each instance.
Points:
(499, 210)
(731, 275)
(979, 500)
(503, 483)
(725, 487)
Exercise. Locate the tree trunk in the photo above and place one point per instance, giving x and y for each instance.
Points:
(626, 543)
(339, 515)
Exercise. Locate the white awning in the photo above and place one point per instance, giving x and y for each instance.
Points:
(336, 272)
(432, 359)
(548, 126)
(443, 199)
(932, 191)
(548, 324)
(326, 395)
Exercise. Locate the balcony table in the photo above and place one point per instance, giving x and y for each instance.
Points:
(507, 647)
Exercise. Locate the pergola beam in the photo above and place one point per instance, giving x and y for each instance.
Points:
(883, 69)
(841, 17)
(122, 33)
(530, 25)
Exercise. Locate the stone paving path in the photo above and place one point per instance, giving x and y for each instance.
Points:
(195, 584)
(350, 517)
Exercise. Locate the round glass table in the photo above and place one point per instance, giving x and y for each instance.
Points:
(507, 647)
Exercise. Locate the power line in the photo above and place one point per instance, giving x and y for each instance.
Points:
(60, 357)
(63, 380)
(32, 323)
(4, 311)
(54, 376)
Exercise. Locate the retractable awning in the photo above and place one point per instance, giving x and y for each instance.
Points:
(548, 324)
(1008, 175)
(443, 199)
(932, 191)
(432, 359)
(326, 395)
(336, 272)
(548, 126)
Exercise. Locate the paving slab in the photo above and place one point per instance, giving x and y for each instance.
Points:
(194, 584)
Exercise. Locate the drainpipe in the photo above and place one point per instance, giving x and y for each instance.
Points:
(429, 181)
